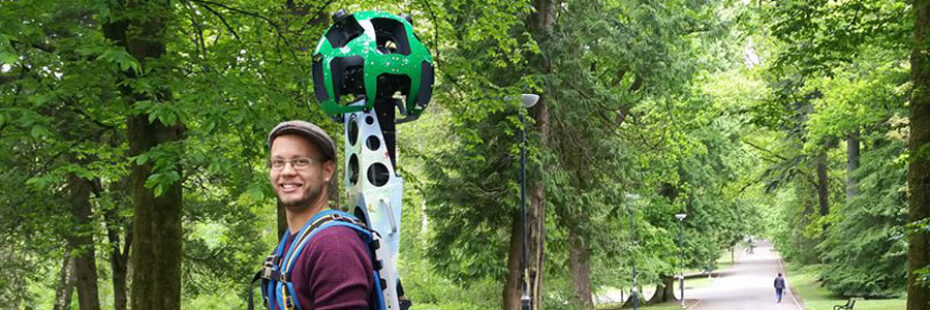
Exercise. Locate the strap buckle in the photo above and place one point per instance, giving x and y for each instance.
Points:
(349, 219)
(268, 267)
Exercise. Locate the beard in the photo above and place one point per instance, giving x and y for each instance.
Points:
(302, 203)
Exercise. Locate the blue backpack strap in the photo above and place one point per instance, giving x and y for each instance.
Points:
(269, 285)
(274, 290)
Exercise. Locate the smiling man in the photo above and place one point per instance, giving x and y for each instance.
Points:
(333, 270)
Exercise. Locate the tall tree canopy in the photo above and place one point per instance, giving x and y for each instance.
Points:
(133, 166)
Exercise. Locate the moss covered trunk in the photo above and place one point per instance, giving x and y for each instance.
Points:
(157, 237)
(918, 175)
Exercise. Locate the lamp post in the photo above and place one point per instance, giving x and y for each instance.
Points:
(633, 197)
(681, 256)
(528, 101)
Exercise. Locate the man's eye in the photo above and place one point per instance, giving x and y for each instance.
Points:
(277, 163)
(303, 162)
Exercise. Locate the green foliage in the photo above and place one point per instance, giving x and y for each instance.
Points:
(63, 113)
(473, 196)
(869, 226)
(804, 281)
(623, 118)
(643, 97)
(830, 84)
(815, 36)
(866, 246)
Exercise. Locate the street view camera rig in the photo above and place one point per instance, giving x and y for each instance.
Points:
(368, 67)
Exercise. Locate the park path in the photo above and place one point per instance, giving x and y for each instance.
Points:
(745, 285)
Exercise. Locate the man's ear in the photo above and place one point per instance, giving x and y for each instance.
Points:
(329, 167)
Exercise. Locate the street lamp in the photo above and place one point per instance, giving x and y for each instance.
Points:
(528, 101)
(681, 256)
(633, 197)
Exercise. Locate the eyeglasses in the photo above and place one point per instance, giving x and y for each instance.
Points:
(297, 163)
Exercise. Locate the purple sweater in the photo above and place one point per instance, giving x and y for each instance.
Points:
(334, 271)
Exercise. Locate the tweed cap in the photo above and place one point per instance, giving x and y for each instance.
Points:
(314, 133)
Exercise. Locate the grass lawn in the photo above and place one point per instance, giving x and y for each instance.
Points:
(701, 281)
(725, 261)
(804, 282)
(674, 305)
(664, 306)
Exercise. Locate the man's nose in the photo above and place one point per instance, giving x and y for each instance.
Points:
(288, 169)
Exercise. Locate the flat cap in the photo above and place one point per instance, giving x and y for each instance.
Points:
(314, 133)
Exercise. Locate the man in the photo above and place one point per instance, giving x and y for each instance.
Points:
(779, 286)
(334, 269)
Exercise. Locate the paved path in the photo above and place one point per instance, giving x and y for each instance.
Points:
(746, 285)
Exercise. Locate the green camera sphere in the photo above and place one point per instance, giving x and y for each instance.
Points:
(373, 56)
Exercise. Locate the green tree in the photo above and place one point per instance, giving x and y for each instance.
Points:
(855, 66)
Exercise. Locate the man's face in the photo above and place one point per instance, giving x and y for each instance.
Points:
(298, 187)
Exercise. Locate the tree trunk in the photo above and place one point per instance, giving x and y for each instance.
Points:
(852, 163)
(665, 291)
(119, 248)
(541, 23)
(512, 289)
(333, 189)
(579, 262)
(823, 188)
(918, 174)
(536, 219)
(157, 236)
(119, 263)
(119, 259)
(823, 184)
(82, 241)
(65, 282)
(282, 220)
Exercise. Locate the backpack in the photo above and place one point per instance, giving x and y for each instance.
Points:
(278, 291)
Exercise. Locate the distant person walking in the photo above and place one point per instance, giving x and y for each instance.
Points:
(779, 286)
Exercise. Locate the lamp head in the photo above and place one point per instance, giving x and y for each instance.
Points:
(681, 216)
(529, 100)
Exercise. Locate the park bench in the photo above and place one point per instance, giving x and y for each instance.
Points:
(848, 306)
